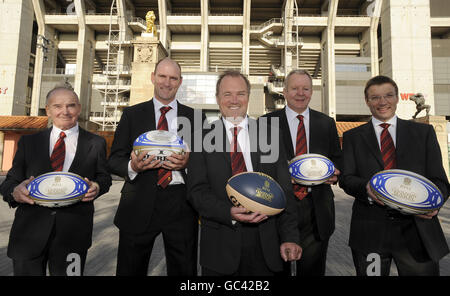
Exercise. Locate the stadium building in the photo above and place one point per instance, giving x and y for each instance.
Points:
(102, 49)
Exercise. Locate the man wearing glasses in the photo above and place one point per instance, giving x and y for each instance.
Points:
(415, 242)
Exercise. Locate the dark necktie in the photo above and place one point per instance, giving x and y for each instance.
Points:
(387, 148)
(59, 153)
(164, 176)
(301, 147)
(237, 158)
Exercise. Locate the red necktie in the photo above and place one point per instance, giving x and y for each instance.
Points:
(387, 148)
(164, 176)
(237, 158)
(301, 147)
(59, 153)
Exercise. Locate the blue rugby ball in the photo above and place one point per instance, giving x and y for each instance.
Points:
(159, 143)
(311, 169)
(408, 192)
(57, 189)
(257, 192)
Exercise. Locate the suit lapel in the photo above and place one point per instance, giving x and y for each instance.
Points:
(83, 148)
(149, 114)
(46, 147)
(285, 131)
(402, 141)
(314, 145)
(370, 139)
(254, 153)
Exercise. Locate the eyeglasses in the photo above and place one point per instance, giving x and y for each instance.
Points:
(388, 97)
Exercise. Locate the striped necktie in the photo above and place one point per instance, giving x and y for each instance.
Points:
(301, 147)
(237, 158)
(387, 148)
(164, 176)
(59, 153)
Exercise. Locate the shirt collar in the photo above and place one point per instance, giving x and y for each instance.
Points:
(243, 124)
(56, 131)
(291, 114)
(392, 121)
(173, 104)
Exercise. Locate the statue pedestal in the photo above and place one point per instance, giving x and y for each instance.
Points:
(147, 52)
(440, 126)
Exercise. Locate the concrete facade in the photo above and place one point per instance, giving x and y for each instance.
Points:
(92, 45)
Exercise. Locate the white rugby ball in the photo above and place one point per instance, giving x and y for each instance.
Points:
(311, 169)
(408, 192)
(57, 189)
(159, 143)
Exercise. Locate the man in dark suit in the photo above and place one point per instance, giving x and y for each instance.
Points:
(150, 204)
(234, 241)
(41, 235)
(415, 242)
(316, 203)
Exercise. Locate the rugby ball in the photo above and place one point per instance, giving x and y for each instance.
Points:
(257, 192)
(57, 189)
(159, 143)
(311, 169)
(408, 192)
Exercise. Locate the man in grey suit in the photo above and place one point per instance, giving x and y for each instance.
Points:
(415, 242)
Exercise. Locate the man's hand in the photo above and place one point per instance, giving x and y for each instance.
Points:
(176, 162)
(92, 192)
(138, 164)
(21, 193)
(428, 216)
(241, 214)
(372, 196)
(290, 251)
(333, 179)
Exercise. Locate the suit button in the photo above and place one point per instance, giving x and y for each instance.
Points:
(53, 213)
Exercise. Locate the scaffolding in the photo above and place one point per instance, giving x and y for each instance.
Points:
(112, 100)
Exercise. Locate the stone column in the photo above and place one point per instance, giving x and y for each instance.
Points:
(164, 32)
(329, 63)
(147, 52)
(85, 61)
(15, 39)
(440, 127)
(204, 41)
(246, 38)
(407, 54)
(369, 40)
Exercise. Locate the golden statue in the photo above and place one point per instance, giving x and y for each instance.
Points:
(150, 20)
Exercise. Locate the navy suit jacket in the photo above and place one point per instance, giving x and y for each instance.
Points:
(32, 223)
(139, 195)
(220, 240)
(417, 150)
(324, 140)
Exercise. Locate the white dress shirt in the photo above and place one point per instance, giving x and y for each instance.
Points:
(243, 140)
(171, 117)
(71, 141)
(293, 122)
(392, 129)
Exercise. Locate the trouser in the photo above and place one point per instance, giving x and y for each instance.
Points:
(378, 262)
(61, 262)
(176, 220)
(314, 250)
(252, 262)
